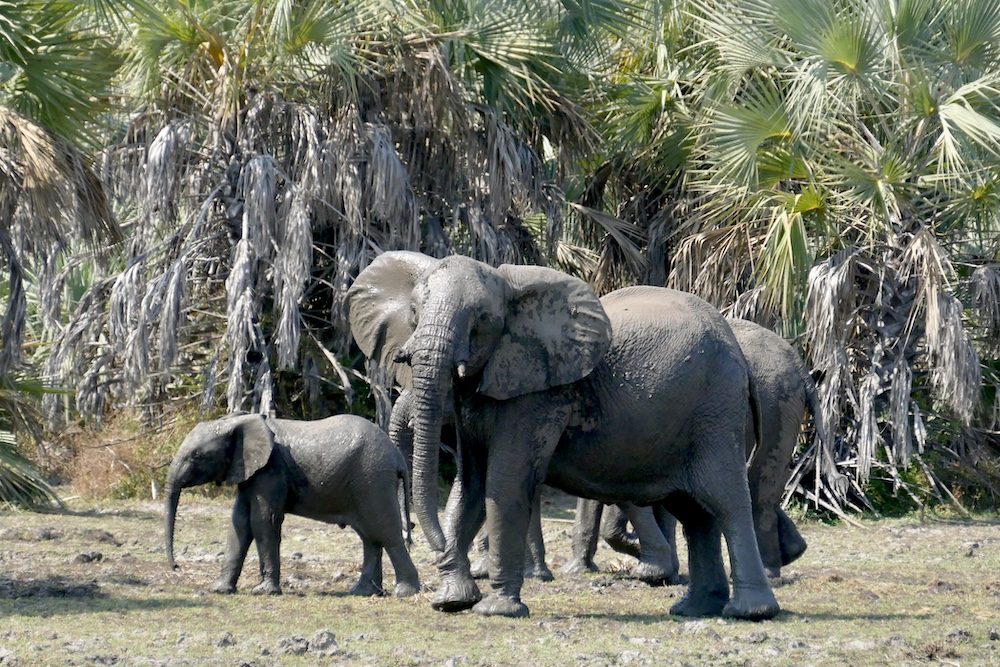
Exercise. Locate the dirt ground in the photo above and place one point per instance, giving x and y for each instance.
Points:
(90, 586)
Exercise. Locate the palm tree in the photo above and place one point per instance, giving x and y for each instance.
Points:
(53, 84)
(279, 146)
(842, 182)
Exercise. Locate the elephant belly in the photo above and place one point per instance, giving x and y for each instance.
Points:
(670, 379)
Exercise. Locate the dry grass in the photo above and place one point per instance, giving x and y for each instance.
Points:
(895, 592)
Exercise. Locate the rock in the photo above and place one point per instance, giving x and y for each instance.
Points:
(323, 640)
(226, 639)
(45, 534)
(297, 555)
(797, 644)
(643, 640)
(756, 638)
(88, 557)
(294, 645)
(699, 628)
(8, 658)
(628, 657)
(859, 645)
(994, 635)
(102, 536)
(959, 635)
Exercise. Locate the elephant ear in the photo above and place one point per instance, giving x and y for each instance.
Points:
(556, 332)
(378, 307)
(253, 442)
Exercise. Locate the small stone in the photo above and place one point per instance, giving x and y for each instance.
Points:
(226, 639)
(297, 555)
(628, 657)
(797, 644)
(994, 635)
(643, 640)
(88, 557)
(7, 657)
(699, 628)
(756, 638)
(323, 640)
(45, 534)
(959, 635)
(102, 536)
(450, 662)
(294, 645)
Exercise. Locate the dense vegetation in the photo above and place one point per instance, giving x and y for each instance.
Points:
(188, 187)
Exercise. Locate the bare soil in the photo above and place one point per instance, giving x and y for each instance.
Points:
(90, 586)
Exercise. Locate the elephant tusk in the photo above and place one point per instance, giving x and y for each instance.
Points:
(460, 368)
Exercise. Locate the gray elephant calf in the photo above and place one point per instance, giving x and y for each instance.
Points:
(341, 470)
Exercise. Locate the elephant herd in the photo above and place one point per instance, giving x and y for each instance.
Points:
(646, 399)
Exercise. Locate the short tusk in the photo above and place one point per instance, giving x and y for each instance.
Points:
(461, 369)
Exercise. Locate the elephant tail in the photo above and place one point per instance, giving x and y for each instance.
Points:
(756, 416)
(404, 477)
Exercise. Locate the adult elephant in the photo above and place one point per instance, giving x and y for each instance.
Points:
(783, 390)
(645, 392)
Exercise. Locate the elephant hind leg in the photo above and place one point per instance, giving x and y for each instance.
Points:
(790, 540)
(370, 581)
(708, 588)
(720, 486)
(584, 543)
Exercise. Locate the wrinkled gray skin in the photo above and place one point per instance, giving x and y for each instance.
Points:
(401, 433)
(783, 389)
(341, 470)
(524, 357)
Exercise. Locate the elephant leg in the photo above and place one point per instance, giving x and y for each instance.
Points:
(266, 516)
(721, 487)
(517, 463)
(708, 588)
(481, 567)
(658, 563)
(370, 581)
(407, 578)
(534, 562)
(464, 515)
(790, 540)
(237, 546)
(584, 543)
(768, 540)
(615, 531)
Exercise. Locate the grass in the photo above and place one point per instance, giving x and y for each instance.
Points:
(893, 592)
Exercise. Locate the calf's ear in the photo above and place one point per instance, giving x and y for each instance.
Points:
(252, 445)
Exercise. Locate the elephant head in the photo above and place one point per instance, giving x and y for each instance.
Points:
(502, 332)
(227, 450)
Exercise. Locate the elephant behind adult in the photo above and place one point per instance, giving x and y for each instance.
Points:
(526, 358)
(782, 391)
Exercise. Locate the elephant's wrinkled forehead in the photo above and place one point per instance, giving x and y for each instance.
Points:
(463, 281)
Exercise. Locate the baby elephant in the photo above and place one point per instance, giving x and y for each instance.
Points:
(342, 470)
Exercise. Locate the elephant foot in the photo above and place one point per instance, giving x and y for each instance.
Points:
(266, 587)
(707, 604)
(405, 589)
(455, 594)
(579, 566)
(757, 604)
(540, 572)
(654, 574)
(772, 571)
(481, 568)
(496, 604)
(367, 588)
(791, 549)
(626, 544)
(223, 587)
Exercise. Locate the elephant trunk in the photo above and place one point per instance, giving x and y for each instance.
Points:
(173, 495)
(432, 362)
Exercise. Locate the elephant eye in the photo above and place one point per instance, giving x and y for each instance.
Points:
(413, 314)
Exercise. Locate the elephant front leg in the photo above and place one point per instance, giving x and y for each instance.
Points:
(464, 515)
(519, 454)
(266, 516)
(237, 546)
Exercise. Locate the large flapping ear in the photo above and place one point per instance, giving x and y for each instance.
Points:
(253, 442)
(378, 307)
(556, 332)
